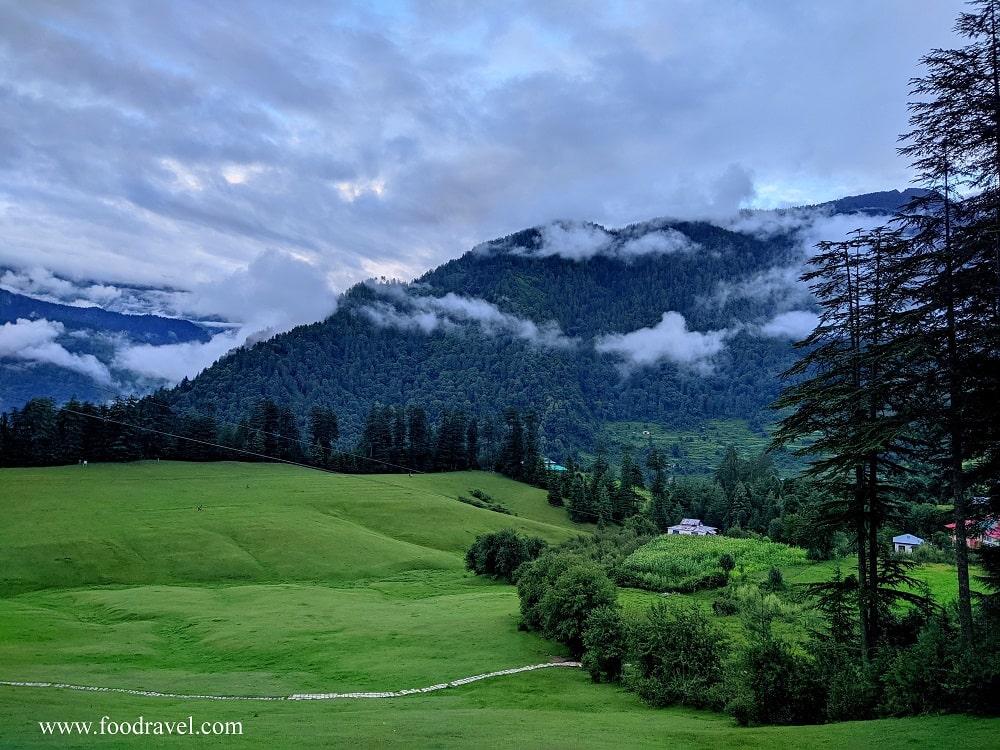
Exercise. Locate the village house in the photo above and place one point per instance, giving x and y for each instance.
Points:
(984, 533)
(906, 543)
(692, 527)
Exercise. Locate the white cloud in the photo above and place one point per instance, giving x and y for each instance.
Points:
(35, 341)
(174, 362)
(781, 285)
(668, 340)
(573, 241)
(793, 324)
(43, 284)
(274, 293)
(580, 241)
(663, 242)
(428, 314)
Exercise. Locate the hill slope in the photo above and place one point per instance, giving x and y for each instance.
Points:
(343, 584)
(669, 323)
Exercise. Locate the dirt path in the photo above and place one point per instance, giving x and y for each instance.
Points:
(297, 696)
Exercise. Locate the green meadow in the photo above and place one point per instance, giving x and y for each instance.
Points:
(260, 579)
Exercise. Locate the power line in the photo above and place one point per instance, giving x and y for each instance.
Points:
(246, 452)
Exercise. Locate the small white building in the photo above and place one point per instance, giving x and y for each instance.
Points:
(906, 543)
(692, 527)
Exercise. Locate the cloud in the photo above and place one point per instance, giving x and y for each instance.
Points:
(573, 241)
(35, 341)
(668, 340)
(174, 362)
(793, 324)
(429, 314)
(276, 290)
(781, 285)
(580, 241)
(137, 148)
(274, 293)
(43, 284)
(663, 242)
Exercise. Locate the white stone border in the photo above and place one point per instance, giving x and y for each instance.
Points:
(296, 696)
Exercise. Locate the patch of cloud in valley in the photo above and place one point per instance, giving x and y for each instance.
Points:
(35, 341)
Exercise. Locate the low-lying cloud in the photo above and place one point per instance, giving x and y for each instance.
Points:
(35, 341)
(669, 340)
(429, 314)
(174, 362)
(793, 324)
(581, 241)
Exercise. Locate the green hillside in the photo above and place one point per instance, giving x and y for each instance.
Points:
(293, 581)
(350, 361)
(141, 523)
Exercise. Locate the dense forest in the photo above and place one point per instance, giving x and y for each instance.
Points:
(351, 360)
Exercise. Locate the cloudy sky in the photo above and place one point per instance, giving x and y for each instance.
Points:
(264, 148)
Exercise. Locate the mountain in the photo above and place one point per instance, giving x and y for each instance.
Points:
(664, 323)
(61, 351)
(147, 329)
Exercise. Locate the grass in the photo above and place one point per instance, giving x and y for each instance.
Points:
(551, 709)
(292, 581)
(686, 563)
(141, 524)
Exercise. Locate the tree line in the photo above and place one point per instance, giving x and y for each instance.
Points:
(394, 438)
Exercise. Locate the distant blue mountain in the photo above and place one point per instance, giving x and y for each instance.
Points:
(148, 329)
(883, 202)
(86, 331)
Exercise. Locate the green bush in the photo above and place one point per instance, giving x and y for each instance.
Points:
(772, 684)
(677, 658)
(689, 563)
(605, 643)
(582, 588)
(501, 553)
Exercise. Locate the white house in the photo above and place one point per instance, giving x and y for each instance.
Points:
(906, 543)
(692, 527)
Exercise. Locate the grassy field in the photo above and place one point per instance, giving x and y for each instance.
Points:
(292, 581)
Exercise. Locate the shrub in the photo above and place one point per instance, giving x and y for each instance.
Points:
(569, 600)
(605, 642)
(534, 580)
(677, 657)
(726, 562)
(772, 684)
(501, 553)
(725, 606)
(480, 499)
(775, 580)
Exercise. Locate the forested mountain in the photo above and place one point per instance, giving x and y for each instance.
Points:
(664, 322)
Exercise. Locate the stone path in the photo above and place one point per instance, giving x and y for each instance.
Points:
(297, 696)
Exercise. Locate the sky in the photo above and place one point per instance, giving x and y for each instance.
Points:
(263, 156)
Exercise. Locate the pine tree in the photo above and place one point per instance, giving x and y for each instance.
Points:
(848, 392)
(472, 445)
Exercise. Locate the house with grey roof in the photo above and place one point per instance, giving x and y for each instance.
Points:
(906, 543)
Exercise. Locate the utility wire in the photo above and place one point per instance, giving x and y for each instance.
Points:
(239, 425)
(363, 477)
